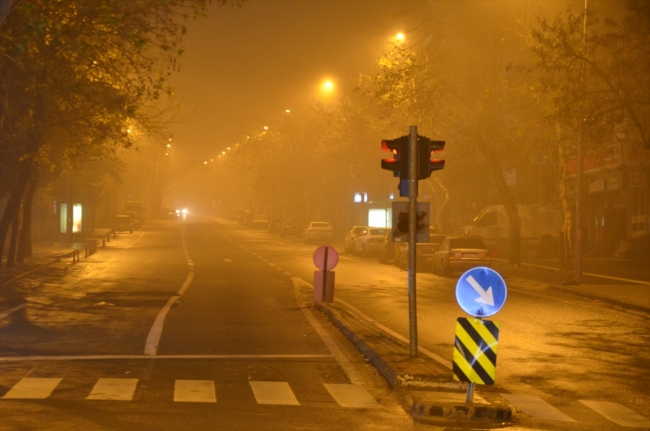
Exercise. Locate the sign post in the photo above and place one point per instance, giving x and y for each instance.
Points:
(325, 258)
(481, 292)
(413, 192)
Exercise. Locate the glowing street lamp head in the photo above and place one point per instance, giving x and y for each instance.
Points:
(400, 37)
(328, 86)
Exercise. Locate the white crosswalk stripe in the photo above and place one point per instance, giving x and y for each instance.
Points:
(113, 389)
(618, 414)
(351, 396)
(33, 388)
(537, 407)
(278, 393)
(195, 391)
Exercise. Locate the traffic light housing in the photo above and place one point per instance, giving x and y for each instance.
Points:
(399, 164)
(426, 148)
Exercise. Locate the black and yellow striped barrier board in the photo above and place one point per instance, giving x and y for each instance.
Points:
(475, 351)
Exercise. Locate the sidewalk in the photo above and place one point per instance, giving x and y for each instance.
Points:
(633, 294)
(47, 253)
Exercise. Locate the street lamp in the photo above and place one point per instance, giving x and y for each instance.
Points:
(399, 37)
(328, 86)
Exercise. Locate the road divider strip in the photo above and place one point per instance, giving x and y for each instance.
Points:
(393, 334)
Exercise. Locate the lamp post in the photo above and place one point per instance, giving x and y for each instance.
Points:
(580, 173)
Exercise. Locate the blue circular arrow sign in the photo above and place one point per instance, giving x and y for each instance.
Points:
(481, 292)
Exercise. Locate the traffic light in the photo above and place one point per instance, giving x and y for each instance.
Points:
(426, 148)
(399, 164)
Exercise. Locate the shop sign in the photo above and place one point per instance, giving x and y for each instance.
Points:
(597, 186)
(613, 183)
(602, 159)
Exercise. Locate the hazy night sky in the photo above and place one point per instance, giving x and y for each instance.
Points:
(245, 66)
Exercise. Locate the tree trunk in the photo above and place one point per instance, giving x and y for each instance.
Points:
(12, 242)
(565, 241)
(13, 204)
(25, 238)
(514, 249)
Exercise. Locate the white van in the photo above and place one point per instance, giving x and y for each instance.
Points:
(539, 224)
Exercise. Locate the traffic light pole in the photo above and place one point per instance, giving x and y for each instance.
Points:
(413, 192)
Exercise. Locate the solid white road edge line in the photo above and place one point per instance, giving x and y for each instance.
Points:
(151, 346)
(629, 280)
(153, 339)
(120, 357)
(350, 370)
(11, 310)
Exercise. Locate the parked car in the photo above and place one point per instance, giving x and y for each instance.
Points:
(246, 218)
(318, 231)
(134, 217)
(368, 241)
(122, 223)
(387, 248)
(351, 235)
(290, 227)
(275, 225)
(423, 253)
(460, 254)
(260, 222)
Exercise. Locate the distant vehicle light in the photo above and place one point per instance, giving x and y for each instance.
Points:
(184, 210)
(178, 211)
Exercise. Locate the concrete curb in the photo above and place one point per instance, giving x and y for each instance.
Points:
(420, 410)
(458, 413)
(18, 277)
(384, 369)
(569, 291)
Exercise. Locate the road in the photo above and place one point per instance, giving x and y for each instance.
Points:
(233, 323)
(236, 351)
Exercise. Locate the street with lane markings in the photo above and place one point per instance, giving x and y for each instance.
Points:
(197, 324)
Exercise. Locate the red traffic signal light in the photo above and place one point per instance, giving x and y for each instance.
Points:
(400, 162)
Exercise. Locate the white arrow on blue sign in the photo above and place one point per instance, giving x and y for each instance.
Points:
(481, 292)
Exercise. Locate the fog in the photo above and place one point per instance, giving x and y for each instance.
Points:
(279, 108)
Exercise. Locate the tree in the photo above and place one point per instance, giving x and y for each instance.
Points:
(592, 83)
(75, 76)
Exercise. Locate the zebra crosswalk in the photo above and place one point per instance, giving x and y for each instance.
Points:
(195, 391)
(539, 409)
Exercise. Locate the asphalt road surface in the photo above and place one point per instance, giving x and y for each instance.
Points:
(235, 351)
(196, 324)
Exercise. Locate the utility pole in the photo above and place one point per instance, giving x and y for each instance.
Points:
(68, 218)
(413, 193)
(580, 176)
